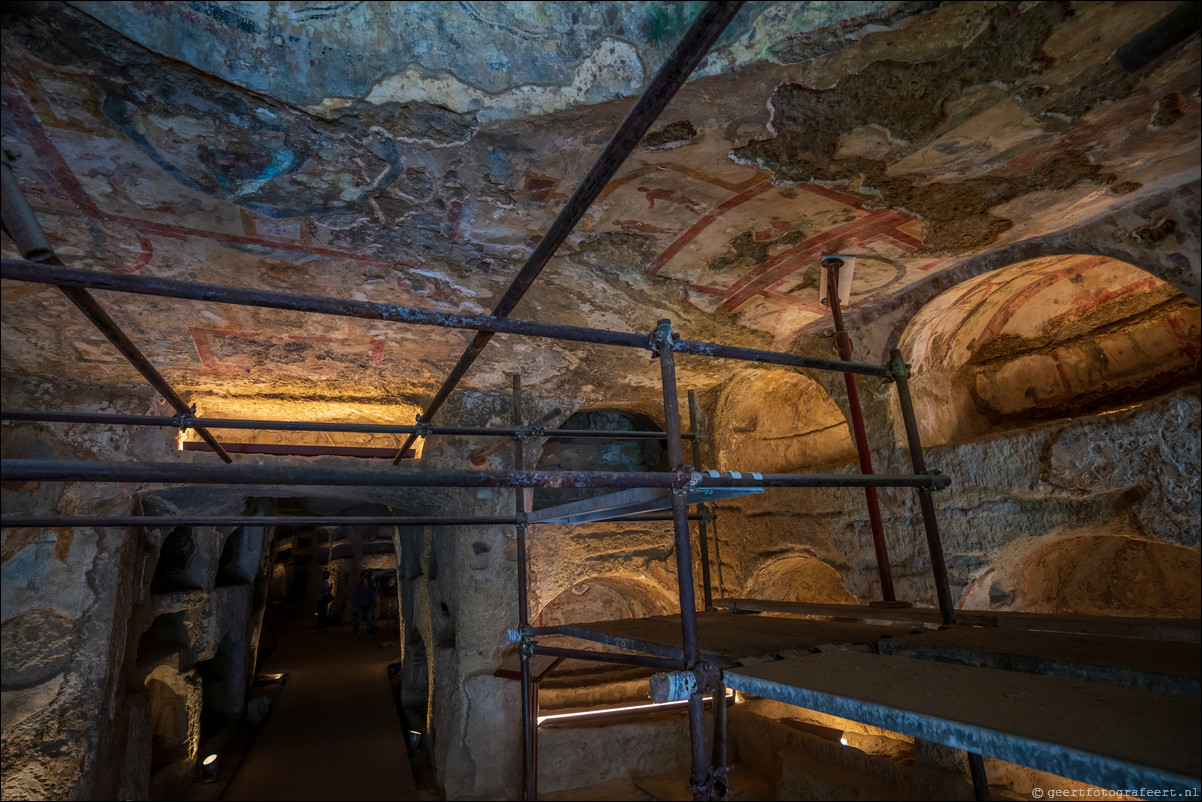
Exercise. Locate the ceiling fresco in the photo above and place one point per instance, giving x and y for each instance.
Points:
(415, 153)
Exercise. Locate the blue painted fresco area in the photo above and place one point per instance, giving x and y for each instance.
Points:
(243, 163)
(302, 53)
(27, 568)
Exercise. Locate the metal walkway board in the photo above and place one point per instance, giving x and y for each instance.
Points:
(630, 502)
(1143, 663)
(1114, 737)
(727, 639)
(1185, 630)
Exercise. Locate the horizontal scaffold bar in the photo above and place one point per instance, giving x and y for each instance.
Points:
(31, 470)
(165, 521)
(644, 660)
(189, 422)
(21, 270)
(169, 521)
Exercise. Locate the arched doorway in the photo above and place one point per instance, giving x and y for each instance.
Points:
(597, 454)
(1047, 338)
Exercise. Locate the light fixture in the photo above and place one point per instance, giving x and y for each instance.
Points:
(843, 740)
(208, 769)
(579, 714)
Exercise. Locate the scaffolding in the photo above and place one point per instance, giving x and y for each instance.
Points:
(705, 650)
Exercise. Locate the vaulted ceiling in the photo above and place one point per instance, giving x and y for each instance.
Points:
(413, 153)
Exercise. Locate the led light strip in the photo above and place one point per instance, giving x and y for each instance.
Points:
(730, 698)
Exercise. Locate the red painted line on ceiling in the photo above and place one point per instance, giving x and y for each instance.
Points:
(143, 258)
(28, 121)
(706, 220)
(183, 232)
(203, 339)
(1065, 384)
(1190, 347)
(798, 303)
(690, 172)
(1050, 276)
(853, 233)
(835, 195)
(46, 151)
(1104, 295)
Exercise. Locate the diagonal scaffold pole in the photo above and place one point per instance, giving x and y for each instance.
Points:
(38, 273)
(525, 651)
(700, 768)
(843, 343)
(702, 34)
(22, 225)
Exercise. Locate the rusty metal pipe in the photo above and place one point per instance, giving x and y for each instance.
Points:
(534, 686)
(700, 760)
(702, 543)
(719, 751)
(529, 728)
(684, 559)
(168, 521)
(647, 661)
(19, 270)
(20, 222)
(718, 554)
(943, 592)
(314, 426)
(480, 455)
(32, 470)
(980, 780)
(706, 27)
(843, 342)
(529, 685)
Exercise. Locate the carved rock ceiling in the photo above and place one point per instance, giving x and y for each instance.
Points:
(413, 153)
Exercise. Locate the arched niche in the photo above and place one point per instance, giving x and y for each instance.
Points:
(607, 598)
(166, 636)
(800, 578)
(223, 686)
(178, 567)
(174, 728)
(1112, 573)
(1047, 338)
(778, 421)
(599, 454)
(238, 561)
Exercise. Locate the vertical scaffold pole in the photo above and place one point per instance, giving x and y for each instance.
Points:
(702, 543)
(843, 343)
(900, 372)
(684, 559)
(529, 689)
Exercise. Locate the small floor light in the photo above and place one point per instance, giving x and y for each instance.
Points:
(208, 769)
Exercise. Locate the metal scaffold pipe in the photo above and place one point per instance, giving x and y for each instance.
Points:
(22, 225)
(843, 343)
(708, 25)
(32, 470)
(20, 270)
(188, 421)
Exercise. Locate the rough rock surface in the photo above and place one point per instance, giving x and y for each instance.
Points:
(1018, 183)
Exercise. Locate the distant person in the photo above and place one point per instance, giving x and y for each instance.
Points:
(323, 601)
(365, 600)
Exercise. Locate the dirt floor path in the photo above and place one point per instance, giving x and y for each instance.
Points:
(333, 732)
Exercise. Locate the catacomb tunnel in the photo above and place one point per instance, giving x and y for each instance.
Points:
(607, 400)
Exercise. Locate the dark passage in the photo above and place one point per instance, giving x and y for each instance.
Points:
(333, 732)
